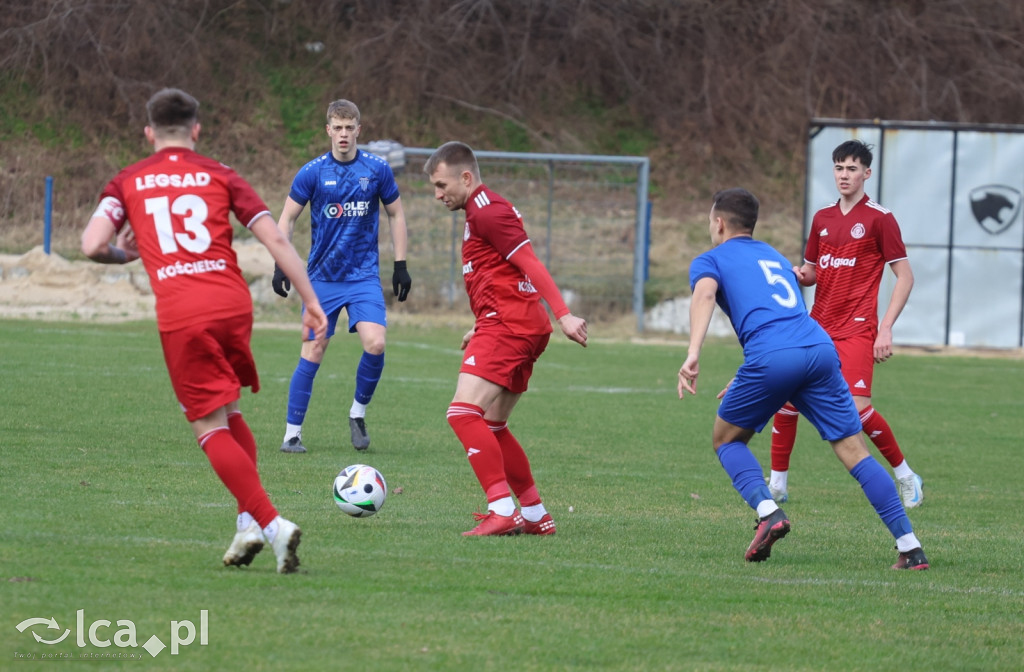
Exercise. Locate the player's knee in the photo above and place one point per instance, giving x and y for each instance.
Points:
(457, 417)
(314, 350)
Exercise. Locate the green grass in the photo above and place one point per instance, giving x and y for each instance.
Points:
(110, 507)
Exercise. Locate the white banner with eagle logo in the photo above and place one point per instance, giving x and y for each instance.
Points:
(956, 191)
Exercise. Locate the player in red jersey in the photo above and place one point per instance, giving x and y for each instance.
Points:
(848, 247)
(505, 281)
(172, 210)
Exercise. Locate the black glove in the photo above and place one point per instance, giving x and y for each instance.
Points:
(400, 281)
(280, 283)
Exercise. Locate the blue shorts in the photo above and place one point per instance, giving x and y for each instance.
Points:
(362, 300)
(808, 377)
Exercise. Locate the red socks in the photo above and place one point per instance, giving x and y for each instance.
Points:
(880, 433)
(482, 448)
(517, 465)
(238, 474)
(875, 426)
(784, 437)
(243, 435)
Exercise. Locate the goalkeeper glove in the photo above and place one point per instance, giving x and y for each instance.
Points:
(401, 282)
(280, 283)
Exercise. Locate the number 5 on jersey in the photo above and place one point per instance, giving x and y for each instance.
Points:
(769, 269)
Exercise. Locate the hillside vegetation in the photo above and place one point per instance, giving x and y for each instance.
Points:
(716, 93)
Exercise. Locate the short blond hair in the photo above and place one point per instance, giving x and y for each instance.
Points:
(342, 109)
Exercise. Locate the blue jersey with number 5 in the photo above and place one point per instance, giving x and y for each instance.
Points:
(759, 292)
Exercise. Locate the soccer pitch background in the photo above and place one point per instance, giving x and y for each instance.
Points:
(111, 514)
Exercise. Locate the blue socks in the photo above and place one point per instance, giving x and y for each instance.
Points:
(745, 472)
(300, 390)
(881, 492)
(367, 376)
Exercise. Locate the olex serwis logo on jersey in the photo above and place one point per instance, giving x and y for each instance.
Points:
(102, 634)
(350, 209)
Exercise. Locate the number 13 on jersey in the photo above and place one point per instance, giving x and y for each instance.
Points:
(193, 210)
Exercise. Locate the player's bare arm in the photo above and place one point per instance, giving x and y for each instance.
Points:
(466, 338)
(401, 282)
(806, 275)
(399, 230)
(287, 259)
(290, 213)
(702, 306)
(897, 302)
(97, 245)
(575, 328)
(281, 281)
(725, 389)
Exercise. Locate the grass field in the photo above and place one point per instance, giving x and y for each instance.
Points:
(110, 509)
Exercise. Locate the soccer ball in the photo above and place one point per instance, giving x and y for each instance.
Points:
(360, 491)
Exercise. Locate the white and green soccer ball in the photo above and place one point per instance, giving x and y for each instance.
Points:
(360, 490)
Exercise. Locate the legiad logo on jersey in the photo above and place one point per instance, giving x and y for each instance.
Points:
(860, 385)
(470, 361)
(858, 230)
(828, 261)
(995, 207)
(823, 233)
(364, 183)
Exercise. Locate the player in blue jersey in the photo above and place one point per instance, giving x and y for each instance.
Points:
(344, 189)
(787, 356)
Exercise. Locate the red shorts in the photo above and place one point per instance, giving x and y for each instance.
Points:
(209, 363)
(857, 357)
(503, 358)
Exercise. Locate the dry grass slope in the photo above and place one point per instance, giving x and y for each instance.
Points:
(717, 94)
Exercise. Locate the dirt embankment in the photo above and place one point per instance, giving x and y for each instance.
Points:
(47, 286)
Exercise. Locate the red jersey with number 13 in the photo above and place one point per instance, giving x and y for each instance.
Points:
(498, 291)
(178, 204)
(850, 252)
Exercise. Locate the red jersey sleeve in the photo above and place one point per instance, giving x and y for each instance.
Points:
(498, 290)
(526, 261)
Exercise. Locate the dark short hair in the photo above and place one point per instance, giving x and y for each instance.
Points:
(738, 207)
(172, 110)
(853, 149)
